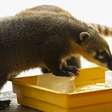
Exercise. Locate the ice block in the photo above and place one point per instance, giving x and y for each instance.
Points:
(60, 84)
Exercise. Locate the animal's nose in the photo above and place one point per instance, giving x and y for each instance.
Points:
(110, 64)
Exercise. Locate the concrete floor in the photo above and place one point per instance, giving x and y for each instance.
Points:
(14, 106)
(7, 94)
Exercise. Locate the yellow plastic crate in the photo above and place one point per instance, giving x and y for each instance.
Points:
(31, 95)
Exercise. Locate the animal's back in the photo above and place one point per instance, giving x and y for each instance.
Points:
(44, 8)
(27, 41)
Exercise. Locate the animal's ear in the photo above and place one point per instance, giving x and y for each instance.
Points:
(84, 36)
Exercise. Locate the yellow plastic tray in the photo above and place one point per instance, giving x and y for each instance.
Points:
(31, 95)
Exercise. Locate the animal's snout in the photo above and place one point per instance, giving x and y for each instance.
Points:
(110, 63)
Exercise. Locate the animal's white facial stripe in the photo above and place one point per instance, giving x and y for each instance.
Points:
(100, 57)
(94, 53)
(108, 52)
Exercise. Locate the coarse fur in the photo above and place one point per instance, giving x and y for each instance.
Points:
(100, 28)
(75, 59)
(44, 39)
(71, 60)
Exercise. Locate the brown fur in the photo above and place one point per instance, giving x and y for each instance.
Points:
(102, 29)
(44, 39)
(56, 11)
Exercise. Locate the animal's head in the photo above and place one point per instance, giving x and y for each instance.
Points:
(95, 48)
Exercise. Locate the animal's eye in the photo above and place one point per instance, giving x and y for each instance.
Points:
(100, 55)
(103, 53)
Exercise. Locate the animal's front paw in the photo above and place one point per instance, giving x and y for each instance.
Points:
(4, 104)
(45, 70)
(66, 71)
(71, 69)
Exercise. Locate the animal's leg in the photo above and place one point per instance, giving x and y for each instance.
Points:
(73, 62)
(59, 69)
(4, 104)
(45, 70)
(3, 79)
